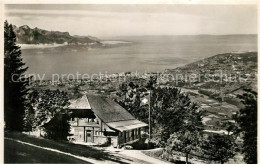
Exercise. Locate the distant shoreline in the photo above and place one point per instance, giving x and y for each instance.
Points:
(42, 46)
(39, 46)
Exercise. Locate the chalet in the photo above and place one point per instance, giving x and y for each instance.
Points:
(98, 119)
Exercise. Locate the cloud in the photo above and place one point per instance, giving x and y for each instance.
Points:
(104, 20)
(52, 13)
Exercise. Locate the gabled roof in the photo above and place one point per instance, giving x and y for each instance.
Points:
(115, 116)
(108, 110)
(81, 103)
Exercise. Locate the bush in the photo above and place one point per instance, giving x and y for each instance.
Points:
(58, 127)
(141, 145)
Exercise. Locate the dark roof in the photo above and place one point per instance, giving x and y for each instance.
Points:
(81, 103)
(108, 110)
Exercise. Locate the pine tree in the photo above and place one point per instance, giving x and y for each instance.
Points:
(14, 81)
(247, 121)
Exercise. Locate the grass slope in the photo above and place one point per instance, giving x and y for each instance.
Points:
(18, 150)
(20, 153)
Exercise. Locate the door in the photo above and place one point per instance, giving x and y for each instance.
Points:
(88, 136)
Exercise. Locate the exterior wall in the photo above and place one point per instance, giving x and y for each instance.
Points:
(100, 139)
(90, 130)
(78, 133)
(96, 131)
(129, 136)
(85, 134)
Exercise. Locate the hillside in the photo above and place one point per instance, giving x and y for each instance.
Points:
(27, 35)
(238, 66)
(222, 76)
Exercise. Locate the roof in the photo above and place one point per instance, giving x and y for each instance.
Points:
(81, 103)
(115, 116)
(126, 125)
(108, 110)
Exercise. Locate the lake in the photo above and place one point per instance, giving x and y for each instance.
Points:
(135, 53)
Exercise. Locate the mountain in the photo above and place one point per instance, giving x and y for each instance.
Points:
(27, 35)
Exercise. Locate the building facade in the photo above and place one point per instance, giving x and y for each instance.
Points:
(97, 119)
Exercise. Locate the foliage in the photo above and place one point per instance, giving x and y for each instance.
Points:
(76, 92)
(15, 82)
(219, 147)
(58, 127)
(49, 112)
(247, 121)
(129, 96)
(141, 144)
(171, 110)
(29, 117)
(185, 142)
(48, 103)
(176, 121)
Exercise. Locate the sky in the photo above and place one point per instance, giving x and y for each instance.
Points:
(105, 20)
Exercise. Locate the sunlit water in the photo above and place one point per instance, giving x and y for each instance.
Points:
(143, 53)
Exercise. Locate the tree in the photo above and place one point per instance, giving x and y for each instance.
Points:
(50, 112)
(185, 142)
(29, 117)
(187, 137)
(247, 121)
(15, 82)
(48, 103)
(129, 96)
(58, 127)
(219, 147)
(171, 110)
(76, 92)
(151, 83)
